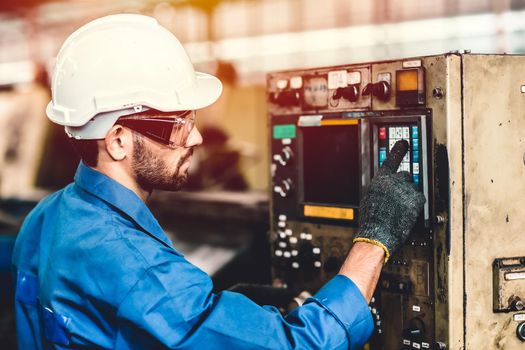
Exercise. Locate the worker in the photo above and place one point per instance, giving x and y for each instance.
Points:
(95, 269)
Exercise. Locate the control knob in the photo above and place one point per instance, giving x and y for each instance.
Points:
(285, 98)
(351, 93)
(284, 156)
(381, 90)
(283, 188)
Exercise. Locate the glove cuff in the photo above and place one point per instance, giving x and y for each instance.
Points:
(376, 243)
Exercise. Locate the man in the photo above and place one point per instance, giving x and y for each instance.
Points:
(95, 269)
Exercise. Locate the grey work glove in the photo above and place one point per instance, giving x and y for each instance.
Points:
(391, 205)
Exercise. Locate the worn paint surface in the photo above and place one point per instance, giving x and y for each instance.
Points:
(494, 128)
(478, 123)
(444, 72)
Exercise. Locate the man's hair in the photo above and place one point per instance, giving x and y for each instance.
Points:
(87, 150)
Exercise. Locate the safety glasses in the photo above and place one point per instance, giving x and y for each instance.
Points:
(169, 131)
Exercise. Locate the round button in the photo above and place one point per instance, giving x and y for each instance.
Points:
(520, 331)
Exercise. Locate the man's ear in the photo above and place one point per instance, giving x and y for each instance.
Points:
(118, 142)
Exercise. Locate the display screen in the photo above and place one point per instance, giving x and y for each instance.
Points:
(331, 170)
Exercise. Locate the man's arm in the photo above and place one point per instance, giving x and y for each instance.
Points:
(387, 213)
(363, 266)
(173, 307)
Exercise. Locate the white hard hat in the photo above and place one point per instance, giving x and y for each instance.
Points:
(122, 64)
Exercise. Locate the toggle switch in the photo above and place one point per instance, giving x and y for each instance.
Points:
(381, 90)
(350, 93)
(286, 98)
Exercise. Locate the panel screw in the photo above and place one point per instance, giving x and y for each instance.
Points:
(518, 305)
(440, 346)
(440, 219)
(437, 93)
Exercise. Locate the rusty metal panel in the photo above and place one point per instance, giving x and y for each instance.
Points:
(508, 284)
(443, 75)
(494, 172)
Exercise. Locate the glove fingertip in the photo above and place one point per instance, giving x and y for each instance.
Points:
(404, 176)
(394, 158)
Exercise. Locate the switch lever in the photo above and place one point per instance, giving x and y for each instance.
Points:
(381, 90)
(351, 93)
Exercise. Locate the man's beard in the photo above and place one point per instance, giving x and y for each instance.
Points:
(151, 172)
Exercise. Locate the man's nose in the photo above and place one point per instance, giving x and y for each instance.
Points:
(194, 138)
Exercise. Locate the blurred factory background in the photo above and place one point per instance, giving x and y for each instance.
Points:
(239, 41)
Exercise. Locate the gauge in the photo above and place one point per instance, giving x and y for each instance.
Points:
(315, 92)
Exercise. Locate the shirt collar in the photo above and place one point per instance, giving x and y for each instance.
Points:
(120, 197)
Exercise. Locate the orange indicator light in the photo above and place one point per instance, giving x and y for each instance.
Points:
(406, 80)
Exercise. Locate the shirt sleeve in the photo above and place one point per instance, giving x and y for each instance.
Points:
(174, 307)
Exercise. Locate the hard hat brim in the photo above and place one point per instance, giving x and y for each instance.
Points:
(208, 90)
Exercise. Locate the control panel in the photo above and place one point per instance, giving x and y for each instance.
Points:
(327, 142)
(462, 268)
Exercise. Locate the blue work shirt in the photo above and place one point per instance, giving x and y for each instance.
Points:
(95, 270)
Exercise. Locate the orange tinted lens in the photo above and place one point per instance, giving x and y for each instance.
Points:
(182, 129)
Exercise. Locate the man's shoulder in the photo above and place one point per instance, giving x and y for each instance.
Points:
(71, 197)
(74, 217)
(94, 232)
(66, 209)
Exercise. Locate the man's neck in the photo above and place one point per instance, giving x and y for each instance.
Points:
(123, 177)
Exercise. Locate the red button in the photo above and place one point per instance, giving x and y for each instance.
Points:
(382, 133)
